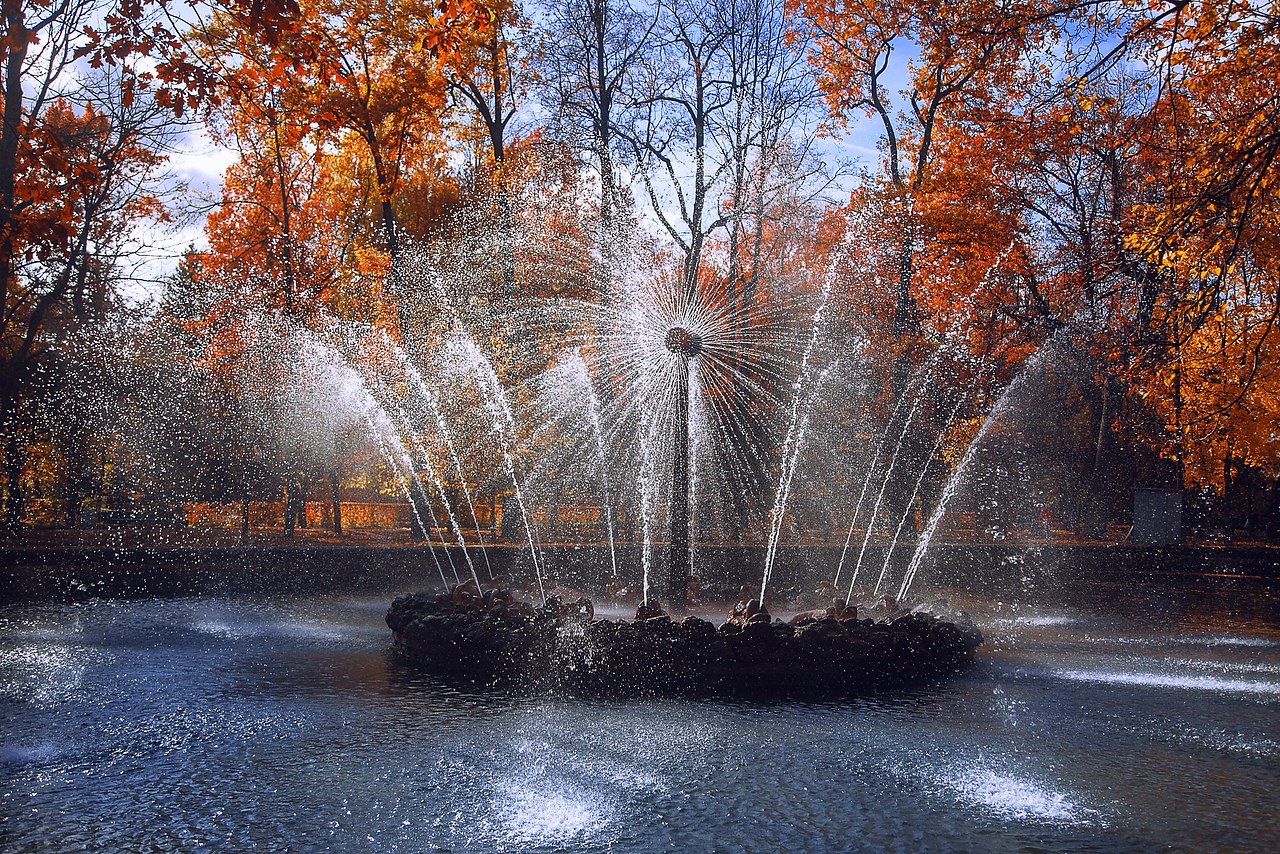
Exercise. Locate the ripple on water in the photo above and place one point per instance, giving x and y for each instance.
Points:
(234, 724)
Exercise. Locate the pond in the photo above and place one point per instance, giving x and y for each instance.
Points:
(1131, 722)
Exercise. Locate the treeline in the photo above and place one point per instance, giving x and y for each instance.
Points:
(1097, 178)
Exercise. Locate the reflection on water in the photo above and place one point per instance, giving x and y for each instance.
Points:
(229, 724)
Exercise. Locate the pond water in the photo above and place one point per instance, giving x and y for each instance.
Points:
(1138, 721)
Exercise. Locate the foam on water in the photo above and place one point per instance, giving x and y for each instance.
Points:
(1218, 738)
(239, 630)
(1021, 798)
(1041, 620)
(19, 755)
(1225, 666)
(1231, 640)
(1165, 680)
(998, 786)
(550, 811)
(1047, 620)
(1189, 640)
(46, 674)
(45, 633)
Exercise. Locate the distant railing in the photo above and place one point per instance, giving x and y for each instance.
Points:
(270, 514)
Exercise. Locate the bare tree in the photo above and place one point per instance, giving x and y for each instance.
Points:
(590, 52)
(721, 129)
(769, 142)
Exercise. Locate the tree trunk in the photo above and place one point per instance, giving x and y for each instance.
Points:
(1096, 513)
(290, 281)
(244, 514)
(1228, 495)
(14, 500)
(337, 501)
(19, 39)
(1273, 523)
(303, 488)
(607, 226)
(1250, 489)
(506, 234)
(904, 314)
(74, 500)
(290, 487)
(392, 233)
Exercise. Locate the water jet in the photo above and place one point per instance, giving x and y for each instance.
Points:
(686, 346)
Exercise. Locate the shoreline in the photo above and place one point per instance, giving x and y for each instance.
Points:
(65, 573)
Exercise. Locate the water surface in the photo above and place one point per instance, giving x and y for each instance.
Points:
(1144, 720)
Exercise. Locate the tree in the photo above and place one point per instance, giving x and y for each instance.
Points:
(711, 131)
(591, 52)
(367, 74)
(369, 69)
(76, 157)
(964, 52)
(488, 74)
(79, 161)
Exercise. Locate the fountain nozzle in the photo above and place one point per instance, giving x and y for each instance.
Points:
(684, 342)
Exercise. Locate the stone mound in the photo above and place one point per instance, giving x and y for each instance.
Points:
(559, 648)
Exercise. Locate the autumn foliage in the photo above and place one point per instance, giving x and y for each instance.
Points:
(1099, 179)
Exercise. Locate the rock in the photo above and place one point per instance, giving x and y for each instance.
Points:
(843, 611)
(495, 639)
(466, 593)
(649, 610)
(697, 629)
(806, 617)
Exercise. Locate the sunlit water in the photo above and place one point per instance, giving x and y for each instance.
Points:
(235, 724)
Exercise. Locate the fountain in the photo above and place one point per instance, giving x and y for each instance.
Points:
(695, 412)
(488, 634)
(686, 346)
